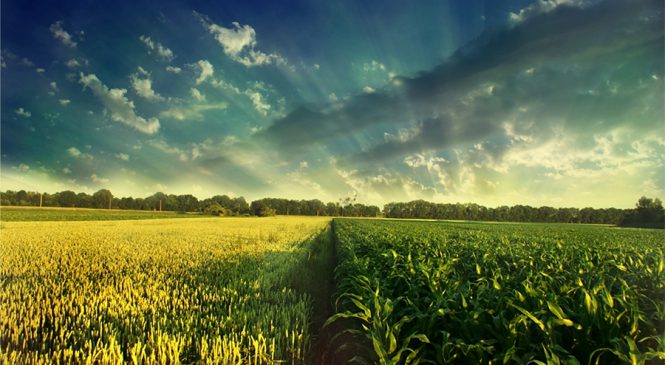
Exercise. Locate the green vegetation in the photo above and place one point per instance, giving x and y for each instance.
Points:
(476, 293)
(257, 290)
(15, 214)
(210, 291)
(216, 205)
(648, 213)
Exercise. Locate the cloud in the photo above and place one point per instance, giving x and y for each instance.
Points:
(73, 63)
(257, 100)
(143, 88)
(374, 66)
(121, 108)
(239, 43)
(163, 146)
(98, 180)
(23, 113)
(64, 102)
(533, 73)
(173, 69)
(163, 52)
(74, 152)
(62, 35)
(122, 156)
(77, 154)
(542, 6)
(192, 111)
(206, 71)
(197, 95)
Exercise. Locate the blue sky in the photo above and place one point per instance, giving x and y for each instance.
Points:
(519, 102)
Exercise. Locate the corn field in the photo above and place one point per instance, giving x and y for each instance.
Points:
(443, 293)
(208, 291)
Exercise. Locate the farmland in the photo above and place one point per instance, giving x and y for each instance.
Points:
(252, 291)
(205, 290)
(471, 293)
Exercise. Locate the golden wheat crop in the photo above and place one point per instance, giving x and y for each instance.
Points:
(154, 291)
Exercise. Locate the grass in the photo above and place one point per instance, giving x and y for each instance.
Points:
(25, 214)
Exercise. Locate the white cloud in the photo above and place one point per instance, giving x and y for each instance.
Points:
(73, 63)
(23, 167)
(197, 95)
(419, 160)
(121, 108)
(162, 52)
(23, 113)
(122, 156)
(98, 180)
(54, 86)
(540, 7)
(191, 112)
(239, 43)
(163, 146)
(173, 69)
(66, 171)
(374, 66)
(64, 102)
(257, 100)
(61, 34)
(40, 70)
(206, 71)
(76, 153)
(303, 164)
(143, 88)
(221, 84)
(368, 89)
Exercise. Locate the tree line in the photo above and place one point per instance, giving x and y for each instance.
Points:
(222, 205)
(648, 213)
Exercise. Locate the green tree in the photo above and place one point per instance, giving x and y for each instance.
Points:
(260, 209)
(102, 199)
(67, 198)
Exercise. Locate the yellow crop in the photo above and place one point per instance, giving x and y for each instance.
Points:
(154, 291)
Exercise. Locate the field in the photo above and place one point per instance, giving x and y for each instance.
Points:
(253, 291)
(207, 290)
(472, 293)
(24, 214)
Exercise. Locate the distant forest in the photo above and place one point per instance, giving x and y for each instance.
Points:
(648, 213)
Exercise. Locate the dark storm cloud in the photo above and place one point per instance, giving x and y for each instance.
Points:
(550, 66)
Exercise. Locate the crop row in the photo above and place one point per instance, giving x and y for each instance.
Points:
(501, 293)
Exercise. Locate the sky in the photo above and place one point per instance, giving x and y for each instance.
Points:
(545, 102)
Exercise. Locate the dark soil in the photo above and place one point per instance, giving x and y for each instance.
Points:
(330, 344)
